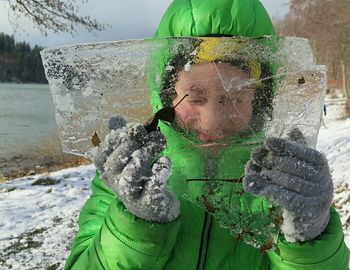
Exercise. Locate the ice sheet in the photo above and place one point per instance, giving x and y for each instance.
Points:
(91, 82)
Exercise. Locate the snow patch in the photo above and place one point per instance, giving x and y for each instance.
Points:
(187, 67)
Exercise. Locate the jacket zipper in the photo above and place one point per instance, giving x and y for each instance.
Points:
(203, 250)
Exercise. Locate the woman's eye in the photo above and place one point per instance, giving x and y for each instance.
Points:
(223, 100)
(197, 95)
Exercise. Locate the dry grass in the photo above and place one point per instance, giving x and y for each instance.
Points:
(347, 108)
(51, 148)
(46, 157)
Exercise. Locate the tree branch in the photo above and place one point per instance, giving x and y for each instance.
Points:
(54, 15)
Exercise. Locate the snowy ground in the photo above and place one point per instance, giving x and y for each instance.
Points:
(334, 141)
(38, 222)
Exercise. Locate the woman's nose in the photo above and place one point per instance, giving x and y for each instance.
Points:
(211, 114)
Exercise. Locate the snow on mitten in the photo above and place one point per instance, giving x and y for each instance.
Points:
(298, 179)
(129, 162)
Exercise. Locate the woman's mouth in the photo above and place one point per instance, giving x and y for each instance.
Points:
(208, 138)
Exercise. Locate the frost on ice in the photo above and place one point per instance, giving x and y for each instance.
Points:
(92, 82)
(129, 172)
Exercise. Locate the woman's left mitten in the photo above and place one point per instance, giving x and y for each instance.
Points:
(298, 179)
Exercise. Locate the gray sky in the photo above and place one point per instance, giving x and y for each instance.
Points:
(128, 20)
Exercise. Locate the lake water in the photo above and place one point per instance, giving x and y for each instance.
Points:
(26, 117)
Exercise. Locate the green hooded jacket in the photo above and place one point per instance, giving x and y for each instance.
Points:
(110, 237)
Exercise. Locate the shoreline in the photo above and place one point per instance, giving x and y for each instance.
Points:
(19, 165)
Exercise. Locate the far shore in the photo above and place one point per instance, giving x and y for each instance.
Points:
(19, 82)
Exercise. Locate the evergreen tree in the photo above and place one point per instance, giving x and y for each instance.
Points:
(19, 62)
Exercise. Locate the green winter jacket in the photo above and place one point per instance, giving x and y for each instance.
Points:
(110, 237)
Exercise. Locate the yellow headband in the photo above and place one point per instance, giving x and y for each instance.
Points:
(213, 49)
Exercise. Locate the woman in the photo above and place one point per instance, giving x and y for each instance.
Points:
(132, 222)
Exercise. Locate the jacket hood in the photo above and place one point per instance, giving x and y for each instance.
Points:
(221, 17)
(193, 18)
(203, 18)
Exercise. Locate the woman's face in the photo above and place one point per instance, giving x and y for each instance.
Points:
(219, 101)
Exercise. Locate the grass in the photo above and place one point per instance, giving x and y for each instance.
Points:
(45, 181)
(23, 242)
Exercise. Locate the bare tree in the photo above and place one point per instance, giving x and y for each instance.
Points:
(59, 16)
(326, 23)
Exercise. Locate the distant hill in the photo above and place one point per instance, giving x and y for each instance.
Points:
(19, 62)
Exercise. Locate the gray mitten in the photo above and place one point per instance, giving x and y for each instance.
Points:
(298, 179)
(127, 160)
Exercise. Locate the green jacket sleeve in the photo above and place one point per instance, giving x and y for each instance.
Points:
(110, 237)
(326, 252)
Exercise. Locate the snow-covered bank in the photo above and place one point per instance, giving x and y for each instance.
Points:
(38, 222)
(334, 142)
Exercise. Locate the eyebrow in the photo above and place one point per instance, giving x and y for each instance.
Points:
(197, 88)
